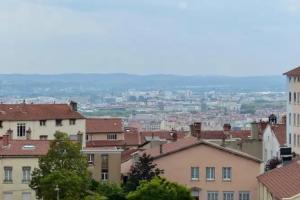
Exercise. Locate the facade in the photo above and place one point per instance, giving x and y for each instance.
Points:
(41, 121)
(104, 164)
(18, 158)
(282, 183)
(210, 170)
(274, 137)
(293, 109)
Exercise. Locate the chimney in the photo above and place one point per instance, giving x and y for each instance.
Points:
(255, 130)
(196, 130)
(28, 134)
(5, 140)
(160, 148)
(283, 119)
(174, 135)
(73, 106)
(272, 119)
(80, 138)
(9, 132)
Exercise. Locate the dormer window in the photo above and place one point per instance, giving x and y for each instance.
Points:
(58, 122)
(72, 121)
(42, 122)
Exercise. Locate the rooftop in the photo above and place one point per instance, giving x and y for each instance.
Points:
(33, 112)
(104, 125)
(293, 72)
(283, 182)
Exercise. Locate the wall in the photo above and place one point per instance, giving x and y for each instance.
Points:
(177, 167)
(17, 187)
(271, 147)
(103, 136)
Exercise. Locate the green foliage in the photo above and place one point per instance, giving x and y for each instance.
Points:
(144, 169)
(112, 191)
(160, 189)
(63, 166)
(95, 197)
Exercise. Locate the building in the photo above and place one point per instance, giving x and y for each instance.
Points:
(293, 109)
(208, 169)
(18, 158)
(274, 137)
(41, 121)
(102, 132)
(104, 163)
(282, 183)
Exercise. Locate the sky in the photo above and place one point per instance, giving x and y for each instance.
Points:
(185, 37)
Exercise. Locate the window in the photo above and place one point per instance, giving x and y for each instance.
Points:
(298, 119)
(290, 119)
(226, 173)
(195, 173)
(212, 195)
(42, 122)
(7, 196)
(112, 136)
(294, 119)
(244, 196)
(26, 196)
(290, 97)
(298, 140)
(1, 125)
(43, 137)
(72, 121)
(295, 140)
(295, 97)
(210, 173)
(26, 174)
(228, 195)
(58, 122)
(104, 167)
(298, 97)
(290, 139)
(21, 129)
(91, 158)
(7, 174)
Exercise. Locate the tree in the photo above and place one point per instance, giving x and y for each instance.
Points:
(111, 191)
(160, 189)
(63, 167)
(95, 197)
(144, 169)
(272, 164)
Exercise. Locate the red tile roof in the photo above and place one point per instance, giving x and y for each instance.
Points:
(293, 72)
(189, 142)
(161, 134)
(280, 132)
(105, 143)
(18, 148)
(104, 125)
(127, 155)
(283, 182)
(32, 112)
(219, 134)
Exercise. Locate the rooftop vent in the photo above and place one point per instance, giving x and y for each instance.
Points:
(28, 147)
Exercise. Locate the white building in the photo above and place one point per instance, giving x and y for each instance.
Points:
(274, 137)
(41, 121)
(293, 109)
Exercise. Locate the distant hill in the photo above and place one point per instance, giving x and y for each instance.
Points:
(16, 84)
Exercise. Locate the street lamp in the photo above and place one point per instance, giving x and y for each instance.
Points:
(57, 192)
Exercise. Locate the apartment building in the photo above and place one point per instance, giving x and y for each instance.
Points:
(211, 171)
(282, 183)
(41, 121)
(18, 158)
(104, 163)
(293, 109)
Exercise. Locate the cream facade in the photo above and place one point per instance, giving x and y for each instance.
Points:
(293, 113)
(271, 146)
(17, 188)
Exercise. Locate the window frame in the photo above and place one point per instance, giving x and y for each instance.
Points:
(21, 129)
(43, 122)
(91, 158)
(72, 122)
(59, 122)
(210, 173)
(8, 177)
(244, 193)
(226, 173)
(195, 173)
(112, 136)
(225, 193)
(26, 178)
(214, 193)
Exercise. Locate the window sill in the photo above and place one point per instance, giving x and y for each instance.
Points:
(195, 179)
(210, 180)
(25, 182)
(7, 182)
(226, 180)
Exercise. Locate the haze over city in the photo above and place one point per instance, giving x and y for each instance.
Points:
(186, 37)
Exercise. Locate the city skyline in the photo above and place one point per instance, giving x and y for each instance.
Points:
(149, 37)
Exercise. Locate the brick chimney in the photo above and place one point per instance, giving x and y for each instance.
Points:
(174, 135)
(283, 119)
(9, 132)
(196, 130)
(73, 106)
(226, 130)
(6, 140)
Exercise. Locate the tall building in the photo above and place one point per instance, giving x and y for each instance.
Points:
(293, 109)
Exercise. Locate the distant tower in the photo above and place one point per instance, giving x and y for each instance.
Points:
(293, 109)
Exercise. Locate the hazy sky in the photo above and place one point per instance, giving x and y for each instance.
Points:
(203, 37)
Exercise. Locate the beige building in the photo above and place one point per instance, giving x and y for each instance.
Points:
(293, 109)
(41, 121)
(282, 183)
(18, 158)
(104, 163)
(211, 171)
